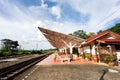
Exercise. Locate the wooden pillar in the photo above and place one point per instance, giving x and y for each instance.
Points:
(99, 59)
(90, 50)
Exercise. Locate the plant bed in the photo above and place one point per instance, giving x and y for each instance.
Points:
(110, 60)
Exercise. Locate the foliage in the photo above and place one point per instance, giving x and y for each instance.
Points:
(116, 28)
(90, 34)
(99, 31)
(82, 34)
(49, 50)
(9, 47)
(9, 44)
(110, 58)
(5, 53)
(89, 57)
(83, 56)
(20, 52)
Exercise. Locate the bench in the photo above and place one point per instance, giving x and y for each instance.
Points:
(64, 57)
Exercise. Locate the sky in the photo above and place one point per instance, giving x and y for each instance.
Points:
(19, 19)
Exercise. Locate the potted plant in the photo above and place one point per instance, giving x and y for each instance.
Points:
(83, 56)
(90, 58)
(110, 60)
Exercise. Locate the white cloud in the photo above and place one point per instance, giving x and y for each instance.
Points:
(63, 27)
(39, 23)
(43, 5)
(98, 10)
(55, 10)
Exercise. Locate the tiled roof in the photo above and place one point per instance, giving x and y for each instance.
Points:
(97, 36)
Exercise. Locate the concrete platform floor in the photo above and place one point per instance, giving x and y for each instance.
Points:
(50, 61)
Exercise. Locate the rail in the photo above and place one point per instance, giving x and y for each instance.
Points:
(9, 72)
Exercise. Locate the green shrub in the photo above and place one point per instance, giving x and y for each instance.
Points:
(83, 56)
(19, 52)
(7, 53)
(89, 57)
(110, 59)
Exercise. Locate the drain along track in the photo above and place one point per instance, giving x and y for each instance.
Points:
(11, 71)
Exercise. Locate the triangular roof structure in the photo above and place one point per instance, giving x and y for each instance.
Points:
(60, 40)
(105, 37)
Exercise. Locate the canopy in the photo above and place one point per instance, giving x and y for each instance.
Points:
(60, 40)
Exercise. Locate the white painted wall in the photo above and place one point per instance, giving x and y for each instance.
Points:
(93, 49)
(118, 57)
(86, 49)
(118, 54)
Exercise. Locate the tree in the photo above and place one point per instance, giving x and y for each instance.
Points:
(90, 34)
(79, 34)
(116, 28)
(99, 31)
(9, 44)
(82, 34)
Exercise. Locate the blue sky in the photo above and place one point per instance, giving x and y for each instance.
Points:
(19, 18)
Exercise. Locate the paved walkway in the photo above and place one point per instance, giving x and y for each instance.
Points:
(50, 61)
(47, 61)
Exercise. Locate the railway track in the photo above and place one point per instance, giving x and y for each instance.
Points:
(10, 72)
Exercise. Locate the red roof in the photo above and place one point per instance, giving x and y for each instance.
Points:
(96, 37)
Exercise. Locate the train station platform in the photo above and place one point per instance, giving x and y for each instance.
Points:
(50, 61)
